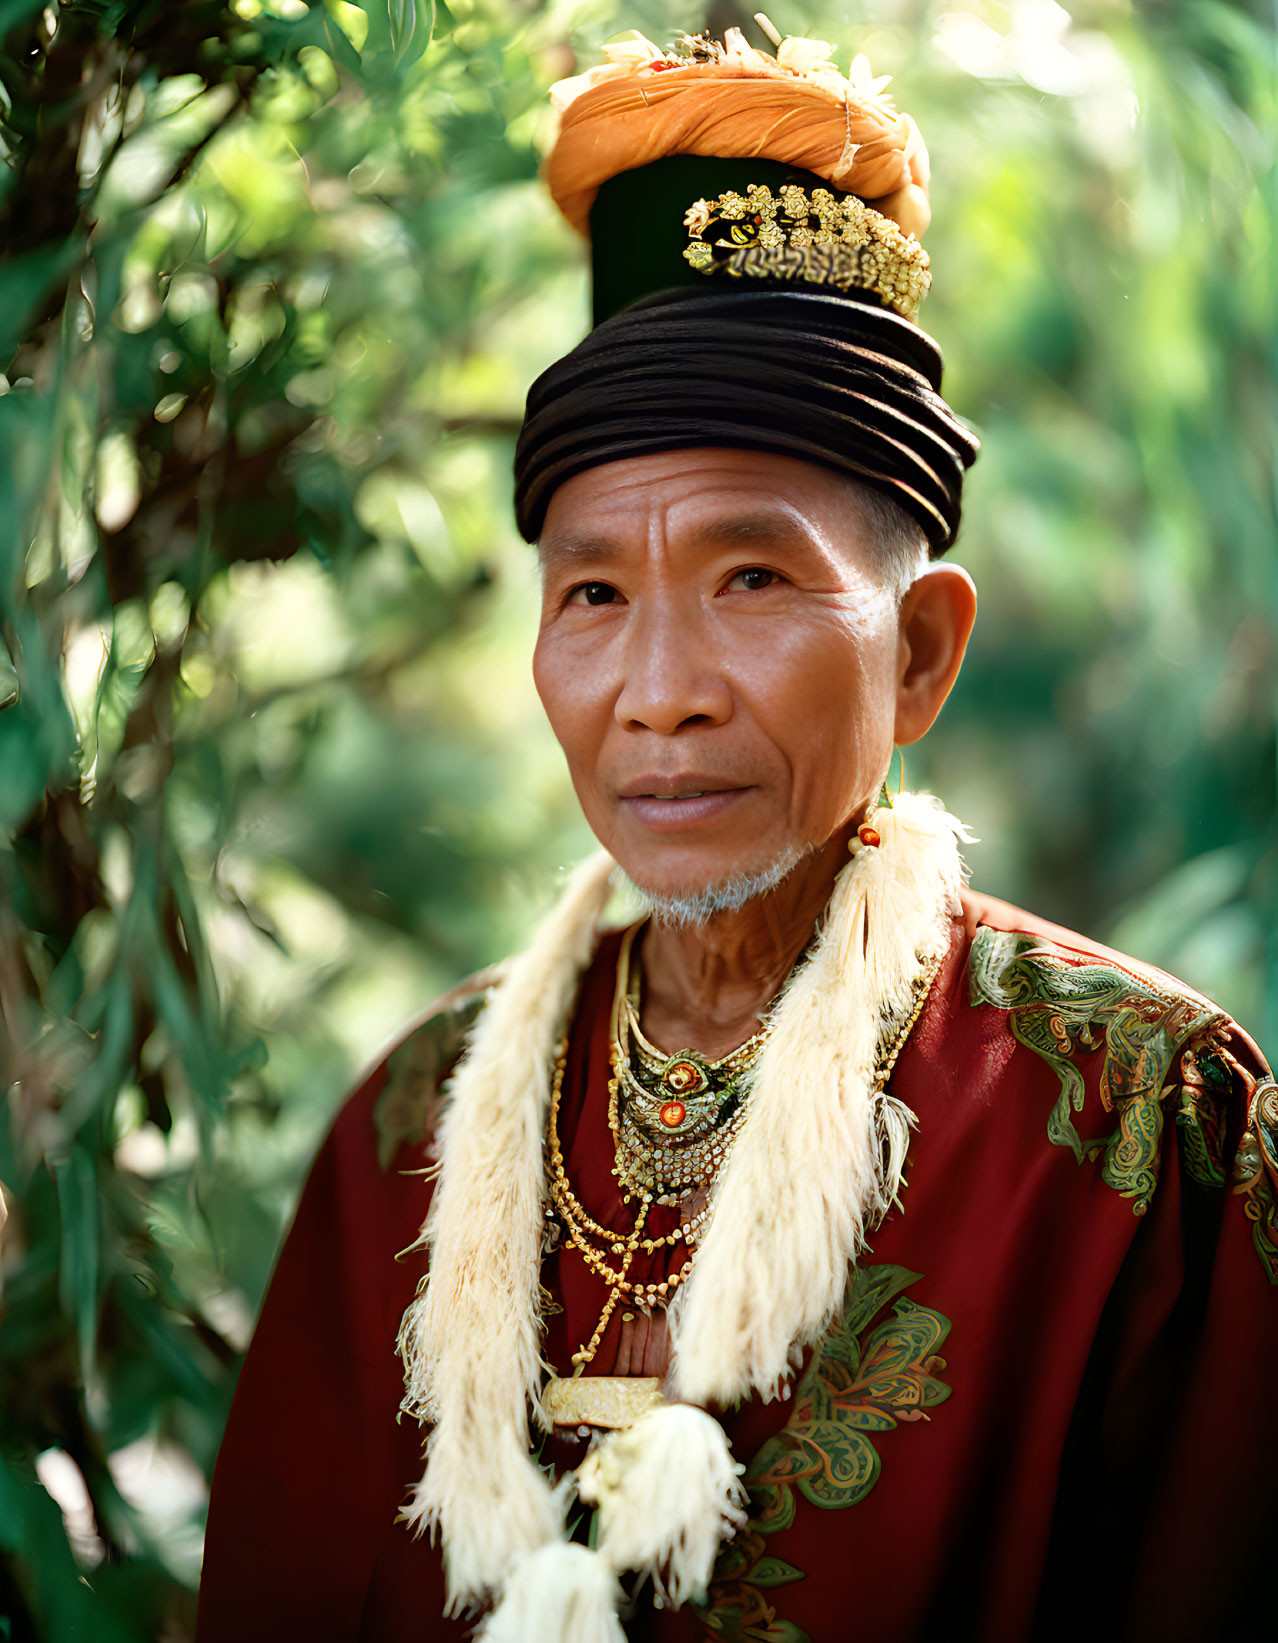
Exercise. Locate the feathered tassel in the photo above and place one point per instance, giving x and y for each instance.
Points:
(668, 1491)
(470, 1341)
(560, 1594)
(820, 1159)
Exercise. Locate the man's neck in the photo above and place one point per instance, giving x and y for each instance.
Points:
(705, 985)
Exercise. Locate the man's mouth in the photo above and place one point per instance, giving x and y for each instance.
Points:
(673, 803)
(694, 785)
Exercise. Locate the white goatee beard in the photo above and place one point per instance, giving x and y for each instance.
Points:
(686, 909)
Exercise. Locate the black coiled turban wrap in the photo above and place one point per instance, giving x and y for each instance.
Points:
(852, 387)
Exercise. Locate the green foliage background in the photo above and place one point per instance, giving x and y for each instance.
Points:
(273, 279)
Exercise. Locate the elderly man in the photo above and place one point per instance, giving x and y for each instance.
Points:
(835, 1252)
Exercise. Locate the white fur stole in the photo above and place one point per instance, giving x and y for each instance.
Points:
(816, 1165)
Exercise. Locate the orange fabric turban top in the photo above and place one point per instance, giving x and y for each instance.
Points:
(742, 104)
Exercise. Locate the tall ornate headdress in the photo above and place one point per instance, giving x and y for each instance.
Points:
(754, 225)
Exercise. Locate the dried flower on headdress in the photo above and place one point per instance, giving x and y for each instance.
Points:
(702, 97)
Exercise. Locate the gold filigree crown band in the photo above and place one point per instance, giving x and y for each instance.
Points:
(818, 238)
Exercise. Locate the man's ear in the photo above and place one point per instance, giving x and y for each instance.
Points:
(936, 620)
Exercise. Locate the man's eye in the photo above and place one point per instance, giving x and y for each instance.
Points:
(593, 593)
(750, 581)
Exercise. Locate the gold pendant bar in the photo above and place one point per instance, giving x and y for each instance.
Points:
(610, 1402)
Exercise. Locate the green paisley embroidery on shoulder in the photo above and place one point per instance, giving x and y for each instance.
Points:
(861, 1380)
(1256, 1172)
(1062, 1003)
(406, 1109)
(1205, 1087)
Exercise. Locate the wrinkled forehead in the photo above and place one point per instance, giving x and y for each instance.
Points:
(686, 510)
(724, 495)
(703, 482)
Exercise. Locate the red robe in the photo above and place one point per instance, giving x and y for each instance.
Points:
(1046, 1411)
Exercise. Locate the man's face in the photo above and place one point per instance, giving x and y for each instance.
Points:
(718, 657)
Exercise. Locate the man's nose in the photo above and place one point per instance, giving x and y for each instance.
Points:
(672, 674)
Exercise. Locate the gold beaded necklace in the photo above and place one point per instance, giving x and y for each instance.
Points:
(584, 1232)
(622, 1247)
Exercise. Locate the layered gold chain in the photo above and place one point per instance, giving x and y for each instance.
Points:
(610, 1254)
(621, 1247)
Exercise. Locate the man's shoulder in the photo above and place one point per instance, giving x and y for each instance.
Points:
(1000, 932)
(1020, 960)
(1132, 1048)
(1068, 993)
(407, 1076)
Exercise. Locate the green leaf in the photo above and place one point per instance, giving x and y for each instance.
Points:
(12, 12)
(871, 1288)
(35, 1544)
(772, 1508)
(732, 1561)
(868, 1420)
(80, 1253)
(340, 47)
(112, 1012)
(774, 1571)
(850, 1466)
(412, 22)
(780, 1460)
(10, 685)
(24, 767)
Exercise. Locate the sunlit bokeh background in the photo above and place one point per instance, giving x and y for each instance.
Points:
(274, 278)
